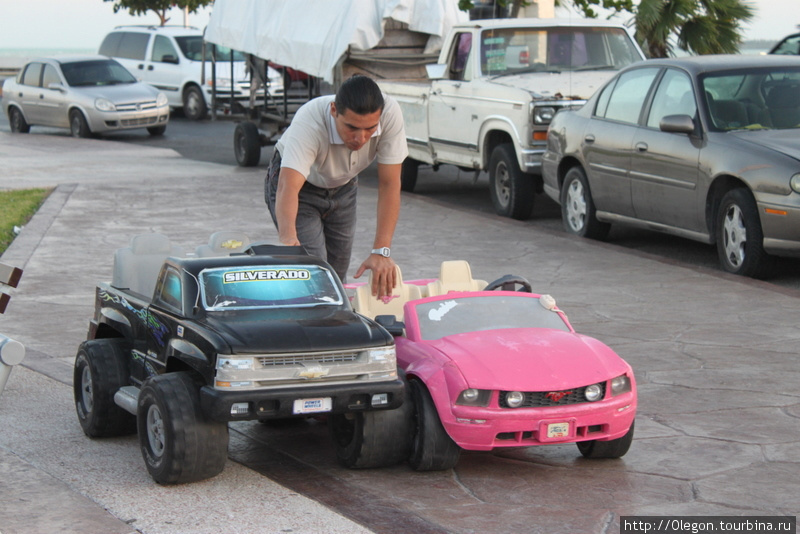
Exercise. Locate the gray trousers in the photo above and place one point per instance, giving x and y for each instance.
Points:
(326, 218)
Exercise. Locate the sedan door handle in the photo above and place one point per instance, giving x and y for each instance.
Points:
(641, 147)
(589, 138)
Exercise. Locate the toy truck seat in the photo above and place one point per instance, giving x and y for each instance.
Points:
(136, 267)
(223, 243)
(370, 306)
(455, 275)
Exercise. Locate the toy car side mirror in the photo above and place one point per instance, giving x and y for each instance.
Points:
(391, 324)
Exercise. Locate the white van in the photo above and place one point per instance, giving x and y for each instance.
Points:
(170, 59)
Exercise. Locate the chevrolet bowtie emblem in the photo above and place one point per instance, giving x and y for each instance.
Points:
(313, 372)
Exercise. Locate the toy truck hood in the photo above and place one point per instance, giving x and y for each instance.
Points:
(566, 85)
(530, 359)
(271, 332)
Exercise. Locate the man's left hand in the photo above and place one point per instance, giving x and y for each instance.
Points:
(384, 275)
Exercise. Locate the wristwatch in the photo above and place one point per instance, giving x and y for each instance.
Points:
(383, 251)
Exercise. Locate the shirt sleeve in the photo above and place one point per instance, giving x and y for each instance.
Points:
(392, 146)
(299, 145)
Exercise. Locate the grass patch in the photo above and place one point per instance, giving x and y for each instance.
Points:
(16, 209)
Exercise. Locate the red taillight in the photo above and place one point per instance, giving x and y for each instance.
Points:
(524, 57)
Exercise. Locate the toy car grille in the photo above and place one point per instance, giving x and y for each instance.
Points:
(538, 399)
(301, 359)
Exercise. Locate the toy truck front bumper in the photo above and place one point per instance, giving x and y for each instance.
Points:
(277, 403)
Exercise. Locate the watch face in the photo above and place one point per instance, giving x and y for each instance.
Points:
(384, 251)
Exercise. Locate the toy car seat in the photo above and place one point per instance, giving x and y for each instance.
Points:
(223, 243)
(455, 275)
(370, 306)
(136, 267)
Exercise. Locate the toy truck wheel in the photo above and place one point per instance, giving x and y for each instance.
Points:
(615, 448)
(512, 190)
(432, 448)
(247, 144)
(178, 443)
(372, 439)
(100, 370)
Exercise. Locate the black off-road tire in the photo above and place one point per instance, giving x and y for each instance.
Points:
(740, 239)
(615, 448)
(178, 443)
(578, 213)
(101, 368)
(379, 438)
(78, 126)
(194, 104)
(512, 191)
(432, 448)
(17, 121)
(247, 144)
(408, 175)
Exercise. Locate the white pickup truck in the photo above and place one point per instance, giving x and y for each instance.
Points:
(497, 84)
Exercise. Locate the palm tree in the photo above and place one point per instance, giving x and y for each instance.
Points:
(701, 26)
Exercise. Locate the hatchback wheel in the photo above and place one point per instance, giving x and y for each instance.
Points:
(577, 207)
(78, 126)
(739, 236)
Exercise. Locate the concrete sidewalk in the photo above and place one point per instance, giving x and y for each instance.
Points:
(715, 358)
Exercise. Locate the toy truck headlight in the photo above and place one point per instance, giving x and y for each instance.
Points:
(620, 384)
(382, 355)
(235, 364)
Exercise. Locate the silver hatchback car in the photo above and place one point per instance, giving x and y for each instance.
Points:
(703, 147)
(87, 94)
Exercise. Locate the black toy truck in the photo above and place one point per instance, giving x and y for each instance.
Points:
(179, 346)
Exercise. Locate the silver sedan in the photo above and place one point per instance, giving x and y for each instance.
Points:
(87, 94)
(706, 148)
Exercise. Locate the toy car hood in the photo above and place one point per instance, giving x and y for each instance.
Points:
(528, 359)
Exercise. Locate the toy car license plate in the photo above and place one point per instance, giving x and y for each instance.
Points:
(322, 404)
(558, 430)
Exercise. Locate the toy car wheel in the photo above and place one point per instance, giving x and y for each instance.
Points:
(615, 448)
(408, 174)
(432, 448)
(247, 144)
(577, 207)
(178, 443)
(78, 126)
(509, 282)
(194, 104)
(372, 439)
(100, 370)
(512, 190)
(17, 121)
(739, 236)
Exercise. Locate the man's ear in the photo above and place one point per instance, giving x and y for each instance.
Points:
(333, 109)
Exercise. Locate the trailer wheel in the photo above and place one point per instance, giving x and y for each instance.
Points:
(100, 370)
(179, 444)
(247, 144)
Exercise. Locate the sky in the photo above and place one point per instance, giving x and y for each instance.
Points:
(82, 24)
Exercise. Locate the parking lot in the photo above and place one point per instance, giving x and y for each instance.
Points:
(714, 356)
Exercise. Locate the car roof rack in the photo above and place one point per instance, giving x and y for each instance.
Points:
(268, 249)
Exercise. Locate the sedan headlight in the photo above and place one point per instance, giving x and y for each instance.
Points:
(103, 104)
(474, 397)
(620, 384)
(161, 99)
(593, 393)
(795, 183)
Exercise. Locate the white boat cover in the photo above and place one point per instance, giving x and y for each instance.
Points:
(313, 35)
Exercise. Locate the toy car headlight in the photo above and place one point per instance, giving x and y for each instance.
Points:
(103, 104)
(593, 392)
(474, 397)
(620, 384)
(235, 364)
(514, 399)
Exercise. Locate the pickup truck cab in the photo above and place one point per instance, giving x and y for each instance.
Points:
(488, 101)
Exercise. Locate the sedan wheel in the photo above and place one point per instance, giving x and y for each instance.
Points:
(577, 207)
(739, 236)
(78, 126)
(18, 122)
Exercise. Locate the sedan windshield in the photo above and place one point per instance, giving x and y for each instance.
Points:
(262, 287)
(518, 50)
(753, 99)
(96, 72)
(440, 318)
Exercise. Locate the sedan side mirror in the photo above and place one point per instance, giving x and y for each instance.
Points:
(57, 86)
(391, 324)
(436, 71)
(683, 124)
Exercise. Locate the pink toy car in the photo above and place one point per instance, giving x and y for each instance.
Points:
(492, 367)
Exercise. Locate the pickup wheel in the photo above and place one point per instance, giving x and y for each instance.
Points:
(615, 448)
(432, 448)
(100, 370)
(372, 439)
(178, 443)
(247, 144)
(512, 190)
(408, 175)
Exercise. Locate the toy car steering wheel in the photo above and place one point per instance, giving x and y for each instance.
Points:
(509, 283)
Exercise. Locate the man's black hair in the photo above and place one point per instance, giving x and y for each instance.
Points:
(359, 94)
